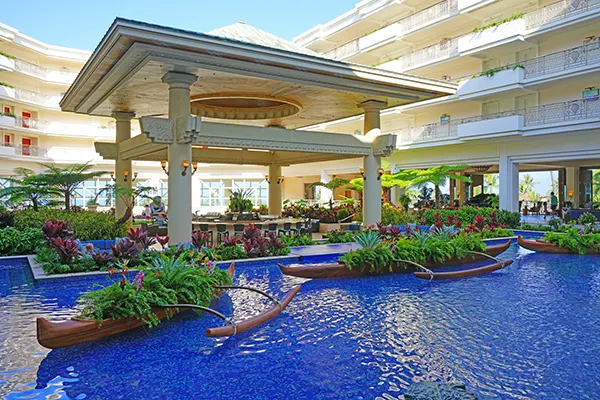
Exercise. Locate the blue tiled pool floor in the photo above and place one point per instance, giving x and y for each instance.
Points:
(525, 332)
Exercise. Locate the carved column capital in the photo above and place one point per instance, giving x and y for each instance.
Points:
(123, 116)
(372, 105)
(179, 79)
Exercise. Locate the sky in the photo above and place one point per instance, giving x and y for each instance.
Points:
(81, 24)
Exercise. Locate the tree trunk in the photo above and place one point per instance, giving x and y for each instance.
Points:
(437, 196)
(67, 200)
(34, 203)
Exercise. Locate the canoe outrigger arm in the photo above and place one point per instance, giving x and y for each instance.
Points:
(430, 272)
(273, 299)
(228, 321)
(499, 261)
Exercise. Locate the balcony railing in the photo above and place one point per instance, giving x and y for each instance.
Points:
(64, 76)
(427, 132)
(437, 51)
(561, 112)
(562, 61)
(560, 10)
(27, 150)
(416, 20)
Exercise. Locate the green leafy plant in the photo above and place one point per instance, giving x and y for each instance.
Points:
(494, 24)
(240, 202)
(493, 71)
(297, 240)
(577, 241)
(6, 85)
(27, 186)
(339, 236)
(14, 241)
(587, 219)
(374, 256)
(7, 55)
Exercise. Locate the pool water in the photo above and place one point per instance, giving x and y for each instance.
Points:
(529, 331)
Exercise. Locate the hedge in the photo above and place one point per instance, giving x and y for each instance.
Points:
(86, 225)
(16, 242)
(466, 214)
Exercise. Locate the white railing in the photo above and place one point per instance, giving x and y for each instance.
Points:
(343, 51)
(560, 10)
(428, 15)
(438, 51)
(416, 20)
(561, 112)
(562, 61)
(44, 73)
(29, 123)
(28, 95)
(427, 132)
(33, 151)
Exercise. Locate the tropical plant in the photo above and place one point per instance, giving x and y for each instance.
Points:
(20, 241)
(490, 182)
(66, 249)
(141, 238)
(374, 256)
(339, 236)
(576, 240)
(240, 202)
(527, 187)
(297, 240)
(28, 186)
(587, 219)
(125, 249)
(67, 179)
(201, 239)
(56, 229)
(394, 215)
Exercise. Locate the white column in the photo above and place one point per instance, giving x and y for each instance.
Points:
(275, 192)
(326, 194)
(122, 178)
(372, 185)
(395, 193)
(180, 186)
(509, 184)
(573, 185)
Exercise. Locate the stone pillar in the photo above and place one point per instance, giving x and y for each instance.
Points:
(562, 188)
(452, 191)
(509, 184)
(180, 186)
(573, 185)
(275, 192)
(122, 178)
(461, 190)
(372, 185)
(395, 193)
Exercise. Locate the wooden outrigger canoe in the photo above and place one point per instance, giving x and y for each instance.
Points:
(545, 247)
(54, 335)
(340, 271)
(243, 326)
(435, 276)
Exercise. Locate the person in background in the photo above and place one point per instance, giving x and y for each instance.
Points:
(545, 209)
(147, 213)
(553, 203)
(159, 211)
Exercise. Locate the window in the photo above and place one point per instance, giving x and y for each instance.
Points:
(162, 190)
(7, 139)
(216, 193)
(88, 190)
(7, 109)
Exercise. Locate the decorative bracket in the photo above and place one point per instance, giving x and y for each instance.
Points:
(160, 130)
(384, 145)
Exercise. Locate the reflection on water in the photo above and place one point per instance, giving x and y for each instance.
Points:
(525, 332)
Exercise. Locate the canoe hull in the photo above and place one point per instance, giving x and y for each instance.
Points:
(230, 330)
(436, 276)
(544, 247)
(315, 271)
(55, 335)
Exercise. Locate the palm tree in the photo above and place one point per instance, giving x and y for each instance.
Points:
(527, 184)
(332, 185)
(27, 186)
(438, 176)
(491, 181)
(67, 179)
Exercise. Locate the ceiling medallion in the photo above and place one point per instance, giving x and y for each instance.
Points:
(242, 106)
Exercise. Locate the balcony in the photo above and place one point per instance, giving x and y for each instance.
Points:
(578, 59)
(23, 150)
(511, 77)
(424, 133)
(395, 31)
(493, 125)
(49, 75)
(30, 97)
(435, 53)
(558, 11)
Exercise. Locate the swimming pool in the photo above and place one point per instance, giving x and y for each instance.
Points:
(526, 332)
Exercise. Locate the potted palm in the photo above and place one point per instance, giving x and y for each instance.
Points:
(92, 205)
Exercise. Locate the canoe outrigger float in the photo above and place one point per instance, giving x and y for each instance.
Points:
(54, 335)
(337, 270)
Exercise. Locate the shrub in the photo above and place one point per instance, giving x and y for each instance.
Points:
(342, 214)
(587, 219)
(6, 218)
(15, 242)
(55, 229)
(339, 236)
(467, 214)
(297, 240)
(86, 225)
(394, 215)
(66, 249)
(141, 238)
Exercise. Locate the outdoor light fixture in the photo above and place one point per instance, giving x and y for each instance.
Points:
(185, 164)
(112, 176)
(280, 179)
(163, 165)
(570, 193)
(380, 172)
(194, 167)
(125, 176)
(362, 173)
(267, 179)
(481, 168)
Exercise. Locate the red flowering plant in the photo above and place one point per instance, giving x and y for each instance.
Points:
(163, 241)
(140, 237)
(201, 239)
(56, 229)
(453, 220)
(66, 249)
(125, 249)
